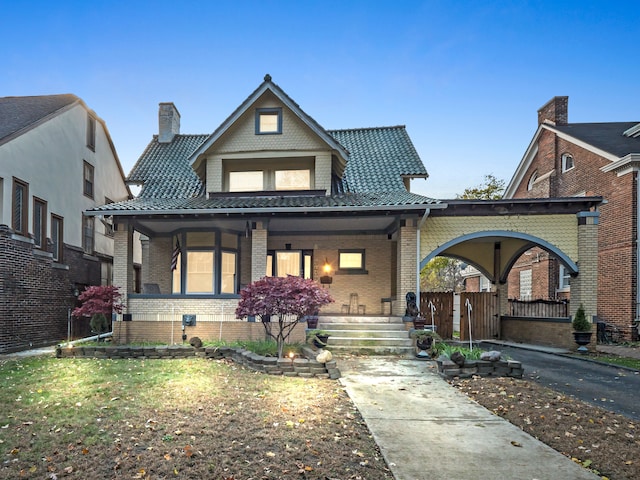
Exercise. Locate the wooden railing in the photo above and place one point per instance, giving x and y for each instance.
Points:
(539, 308)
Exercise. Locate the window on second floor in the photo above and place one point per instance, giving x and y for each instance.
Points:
(253, 175)
(91, 132)
(268, 121)
(20, 207)
(87, 186)
(567, 162)
(88, 234)
(251, 181)
(39, 223)
(57, 230)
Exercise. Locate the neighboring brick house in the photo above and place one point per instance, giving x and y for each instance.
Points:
(582, 159)
(56, 160)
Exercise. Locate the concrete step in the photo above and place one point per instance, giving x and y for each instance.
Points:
(359, 319)
(351, 333)
(367, 334)
(363, 327)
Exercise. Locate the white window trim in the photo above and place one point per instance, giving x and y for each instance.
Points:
(565, 157)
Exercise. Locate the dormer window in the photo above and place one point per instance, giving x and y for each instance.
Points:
(268, 121)
(251, 181)
(567, 162)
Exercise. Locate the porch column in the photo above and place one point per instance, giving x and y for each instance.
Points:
(258, 251)
(146, 261)
(584, 287)
(123, 260)
(503, 302)
(406, 265)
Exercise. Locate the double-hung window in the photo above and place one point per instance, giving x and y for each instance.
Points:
(88, 234)
(39, 223)
(91, 132)
(20, 207)
(57, 230)
(87, 174)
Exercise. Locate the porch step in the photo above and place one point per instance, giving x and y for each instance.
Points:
(369, 335)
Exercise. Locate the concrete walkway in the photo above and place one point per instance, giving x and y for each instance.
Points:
(427, 429)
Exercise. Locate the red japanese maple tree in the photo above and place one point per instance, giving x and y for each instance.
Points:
(288, 299)
(99, 302)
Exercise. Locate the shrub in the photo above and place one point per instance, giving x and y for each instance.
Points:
(580, 322)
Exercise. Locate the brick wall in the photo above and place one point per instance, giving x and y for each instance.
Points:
(36, 294)
(616, 289)
(171, 332)
(543, 332)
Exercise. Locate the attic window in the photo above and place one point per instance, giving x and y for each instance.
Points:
(268, 121)
(532, 180)
(567, 162)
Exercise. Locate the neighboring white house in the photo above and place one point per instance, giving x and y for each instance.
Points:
(56, 161)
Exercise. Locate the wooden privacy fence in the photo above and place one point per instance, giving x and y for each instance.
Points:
(443, 317)
(539, 308)
(485, 321)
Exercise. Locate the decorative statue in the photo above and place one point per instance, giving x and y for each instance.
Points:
(412, 307)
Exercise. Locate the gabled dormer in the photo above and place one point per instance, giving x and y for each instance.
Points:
(268, 144)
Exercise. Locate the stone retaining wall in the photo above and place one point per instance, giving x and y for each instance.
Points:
(298, 367)
(483, 368)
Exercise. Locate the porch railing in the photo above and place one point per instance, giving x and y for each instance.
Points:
(539, 308)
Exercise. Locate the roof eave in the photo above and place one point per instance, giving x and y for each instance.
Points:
(266, 210)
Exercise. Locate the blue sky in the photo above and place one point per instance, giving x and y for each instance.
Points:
(465, 77)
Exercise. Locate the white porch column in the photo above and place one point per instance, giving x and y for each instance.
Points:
(258, 251)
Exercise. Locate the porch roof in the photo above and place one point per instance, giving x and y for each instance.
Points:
(297, 213)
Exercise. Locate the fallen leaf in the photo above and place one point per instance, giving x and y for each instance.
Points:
(515, 444)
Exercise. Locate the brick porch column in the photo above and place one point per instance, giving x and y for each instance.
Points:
(584, 287)
(123, 260)
(258, 251)
(407, 258)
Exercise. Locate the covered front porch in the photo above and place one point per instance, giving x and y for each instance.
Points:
(196, 262)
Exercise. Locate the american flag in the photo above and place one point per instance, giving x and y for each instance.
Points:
(175, 256)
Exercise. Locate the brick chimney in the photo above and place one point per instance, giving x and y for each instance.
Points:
(168, 122)
(555, 111)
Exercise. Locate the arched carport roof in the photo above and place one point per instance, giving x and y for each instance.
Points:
(492, 234)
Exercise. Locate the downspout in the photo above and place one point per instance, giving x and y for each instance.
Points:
(420, 225)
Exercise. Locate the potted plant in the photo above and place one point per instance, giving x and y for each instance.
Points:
(424, 341)
(581, 329)
(319, 338)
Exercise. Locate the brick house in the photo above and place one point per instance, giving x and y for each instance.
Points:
(582, 159)
(56, 161)
(272, 192)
